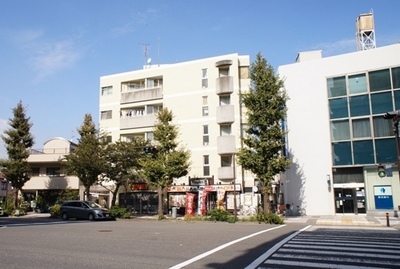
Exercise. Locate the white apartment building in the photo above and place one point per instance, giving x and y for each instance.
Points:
(48, 177)
(204, 98)
(337, 136)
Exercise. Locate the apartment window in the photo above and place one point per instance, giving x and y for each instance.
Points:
(106, 90)
(153, 109)
(381, 102)
(205, 135)
(226, 161)
(206, 165)
(154, 82)
(357, 84)
(205, 110)
(338, 108)
(396, 100)
(379, 80)
(35, 171)
(385, 150)
(363, 152)
(150, 136)
(223, 72)
(53, 171)
(244, 72)
(105, 115)
(204, 78)
(224, 100)
(341, 153)
(225, 130)
(107, 139)
(361, 128)
(382, 127)
(396, 77)
(359, 105)
(340, 130)
(205, 100)
(336, 86)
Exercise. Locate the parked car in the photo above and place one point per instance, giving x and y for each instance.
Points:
(83, 210)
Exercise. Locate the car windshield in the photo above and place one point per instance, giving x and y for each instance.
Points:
(93, 205)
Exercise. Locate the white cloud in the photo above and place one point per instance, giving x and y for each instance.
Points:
(52, 57)
(338, 47)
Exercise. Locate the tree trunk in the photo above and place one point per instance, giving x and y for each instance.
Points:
(160, 203)
(86, 195)
(16, 198)
(266, 203)
(114, 194)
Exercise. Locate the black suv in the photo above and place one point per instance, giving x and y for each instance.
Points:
(83, 210)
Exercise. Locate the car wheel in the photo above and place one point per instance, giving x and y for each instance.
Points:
(91, 217)
(64, 216)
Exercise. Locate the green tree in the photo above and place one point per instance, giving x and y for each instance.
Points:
(170, 161)
(18, 141)
(86, 162)
(265, 105)
(122, 164)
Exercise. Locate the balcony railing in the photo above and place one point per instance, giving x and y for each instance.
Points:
(226, 145)
(138, 121)
(224, 85)
(225, 114)
(139, 95)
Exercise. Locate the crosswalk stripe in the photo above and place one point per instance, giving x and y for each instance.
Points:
(322, 249)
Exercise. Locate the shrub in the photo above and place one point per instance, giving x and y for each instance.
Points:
(270, 218)
(221, 215)
(55, 211)
(120, 212)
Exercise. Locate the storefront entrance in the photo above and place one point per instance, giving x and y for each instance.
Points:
(350, 201)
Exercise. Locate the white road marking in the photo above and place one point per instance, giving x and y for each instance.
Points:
(265, 256)
(205, 254)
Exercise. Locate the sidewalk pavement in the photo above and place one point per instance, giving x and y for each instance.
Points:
(336, 220)
(347, 220)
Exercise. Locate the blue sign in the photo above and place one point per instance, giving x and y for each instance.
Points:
(383, 197)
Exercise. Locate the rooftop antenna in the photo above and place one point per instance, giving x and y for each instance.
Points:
(147, 59)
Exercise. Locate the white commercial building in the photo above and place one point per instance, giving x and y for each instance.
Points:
(204, 98)
(337, 136)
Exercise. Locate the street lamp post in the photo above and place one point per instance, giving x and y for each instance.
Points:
(395, 116)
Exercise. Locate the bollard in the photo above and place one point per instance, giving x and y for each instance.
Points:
(387, 220)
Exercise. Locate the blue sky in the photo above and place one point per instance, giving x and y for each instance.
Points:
(52, 53)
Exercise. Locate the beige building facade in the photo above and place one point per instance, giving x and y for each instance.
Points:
(204, 98)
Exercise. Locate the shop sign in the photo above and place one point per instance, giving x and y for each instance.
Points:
(383, 197)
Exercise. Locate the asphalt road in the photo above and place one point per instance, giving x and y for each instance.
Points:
(45, 243)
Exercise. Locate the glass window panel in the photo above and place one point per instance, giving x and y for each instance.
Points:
(363, 152)
(396, 77)
(361, 128)
(382, 127)
(396, 100)
(385, 150)
(381, 102)
(206, 140)
(226, 161)
(336, 86)
(341, 153)
(359, 105)
(206, 159)
(379, 80)
(340, 130)
(206, 170)
(225, 130)
(357, 83)
(205, 129)
(338, 108)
